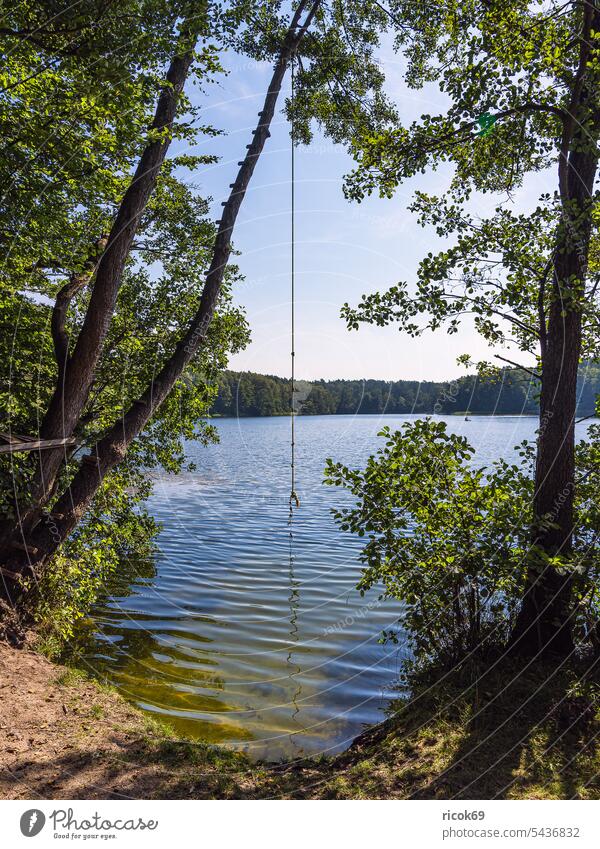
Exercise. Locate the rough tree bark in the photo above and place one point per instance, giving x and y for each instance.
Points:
(43, 537)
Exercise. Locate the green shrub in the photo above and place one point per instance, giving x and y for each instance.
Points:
(446, 538)
(452, 541)
(95, 561)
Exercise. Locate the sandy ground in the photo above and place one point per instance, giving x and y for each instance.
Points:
(52, 735)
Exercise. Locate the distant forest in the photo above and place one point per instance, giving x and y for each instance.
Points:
(512, 392)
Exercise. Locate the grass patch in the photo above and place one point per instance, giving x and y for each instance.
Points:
(70, 677)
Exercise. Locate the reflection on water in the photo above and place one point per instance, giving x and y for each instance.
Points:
(248, 636)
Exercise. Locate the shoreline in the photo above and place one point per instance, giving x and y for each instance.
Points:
(378, 415)
(65, 736)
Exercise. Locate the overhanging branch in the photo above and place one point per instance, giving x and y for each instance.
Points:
(520, 367)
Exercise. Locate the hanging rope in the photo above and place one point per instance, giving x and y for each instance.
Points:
(294, 500)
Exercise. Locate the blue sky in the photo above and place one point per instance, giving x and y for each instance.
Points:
(342, 249)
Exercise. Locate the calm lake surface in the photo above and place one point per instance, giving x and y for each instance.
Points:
(241, 635)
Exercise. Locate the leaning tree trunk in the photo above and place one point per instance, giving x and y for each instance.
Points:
(44, 537)
(107, 262)
(544, 621)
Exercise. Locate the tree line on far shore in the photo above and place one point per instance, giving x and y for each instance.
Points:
(510, 391)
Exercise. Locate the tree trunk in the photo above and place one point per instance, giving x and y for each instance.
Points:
(544, 622)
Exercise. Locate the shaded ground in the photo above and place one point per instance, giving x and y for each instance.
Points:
(531, 735)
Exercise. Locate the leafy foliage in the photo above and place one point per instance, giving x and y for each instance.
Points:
(517, 63)
(514, 60)
(78, 95)
(444, 537)
(78, 92)
(522, 85)
(452, 542)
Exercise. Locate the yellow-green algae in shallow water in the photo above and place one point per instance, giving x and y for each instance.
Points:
(218, 698)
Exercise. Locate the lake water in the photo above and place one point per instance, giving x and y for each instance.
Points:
(241, 635)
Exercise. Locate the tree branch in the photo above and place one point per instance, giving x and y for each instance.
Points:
(516, 365)
(64, 297)
(454, 136)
